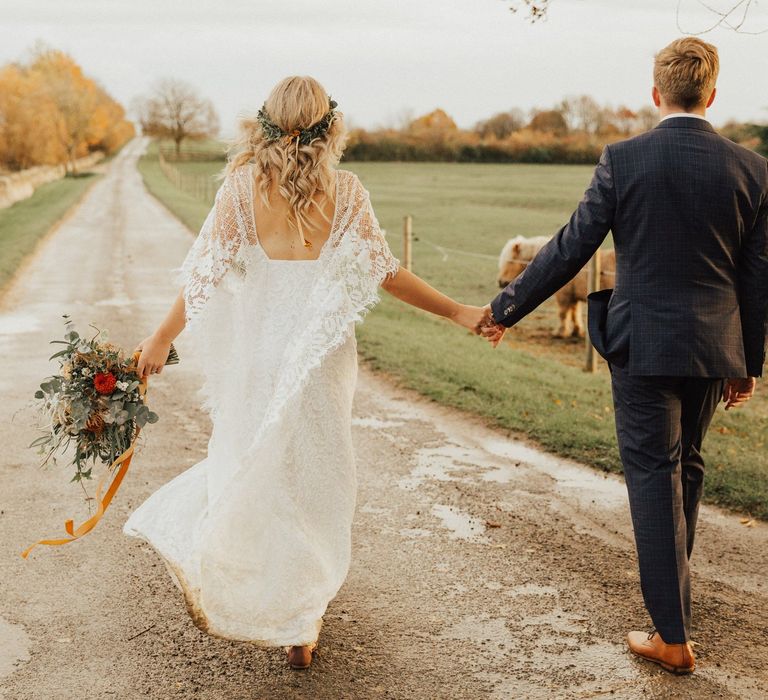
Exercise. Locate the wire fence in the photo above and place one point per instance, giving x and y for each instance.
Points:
(597, 277)
(197, 185)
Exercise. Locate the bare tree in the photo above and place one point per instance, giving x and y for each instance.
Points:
(537, 9)
(175, 111)
(733, 16)
(582, 113)
(647, 118)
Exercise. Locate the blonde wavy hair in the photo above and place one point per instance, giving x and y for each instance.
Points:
(298, 172)
(685, 72)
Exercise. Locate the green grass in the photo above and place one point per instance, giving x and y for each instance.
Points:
(531, 385)
(190, 211)
(23, 224)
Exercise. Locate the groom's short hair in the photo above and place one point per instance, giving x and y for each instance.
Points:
(685, 72)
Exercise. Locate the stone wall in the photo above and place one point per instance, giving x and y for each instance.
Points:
(17, 186)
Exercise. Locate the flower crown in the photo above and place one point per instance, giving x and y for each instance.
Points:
(272, 132)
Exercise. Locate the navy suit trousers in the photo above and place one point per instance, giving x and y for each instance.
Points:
(660, 424)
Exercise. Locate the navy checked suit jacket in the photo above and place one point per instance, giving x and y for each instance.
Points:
(689, 214)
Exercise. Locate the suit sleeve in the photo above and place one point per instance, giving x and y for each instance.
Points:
(560, 260)
(753, 293)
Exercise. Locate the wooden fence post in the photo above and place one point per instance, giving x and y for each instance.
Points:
(593, 285)
(408, 242)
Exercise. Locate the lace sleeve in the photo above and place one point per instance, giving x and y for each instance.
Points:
(384, 265)
(213, 251)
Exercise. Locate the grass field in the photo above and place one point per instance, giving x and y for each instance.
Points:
(24, 223)
(533, 384)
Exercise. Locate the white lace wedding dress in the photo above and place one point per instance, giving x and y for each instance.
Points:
(257, 535)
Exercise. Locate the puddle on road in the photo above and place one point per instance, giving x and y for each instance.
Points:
(586, 485)
(14, 647)
(502, 461)
(493, 634)
(451, 462)
(11, 324)
(375, 423)
(461, 525)
(438, 464)
(113, 301)
(539, 660)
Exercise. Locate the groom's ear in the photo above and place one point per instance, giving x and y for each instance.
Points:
(711, 97)
(656, 96)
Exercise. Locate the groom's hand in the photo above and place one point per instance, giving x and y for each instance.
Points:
(492, 331)
(738, 391)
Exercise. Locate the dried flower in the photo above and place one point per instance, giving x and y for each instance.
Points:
(104, 382)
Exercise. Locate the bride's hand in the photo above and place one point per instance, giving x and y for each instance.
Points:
(470, 317)
(154, 353)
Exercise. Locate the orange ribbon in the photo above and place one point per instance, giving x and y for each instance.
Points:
(123, 461)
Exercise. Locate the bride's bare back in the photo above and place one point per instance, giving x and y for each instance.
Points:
(280, 239)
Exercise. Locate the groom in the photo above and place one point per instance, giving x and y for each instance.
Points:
(686, 323)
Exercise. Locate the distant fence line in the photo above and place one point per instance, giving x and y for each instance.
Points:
(194, 155)
(202, 187)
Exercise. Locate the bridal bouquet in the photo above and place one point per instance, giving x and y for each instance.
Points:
(96, 406)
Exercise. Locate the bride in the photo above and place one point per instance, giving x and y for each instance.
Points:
(257, 535)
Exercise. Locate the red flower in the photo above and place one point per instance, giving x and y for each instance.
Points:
(104, 382)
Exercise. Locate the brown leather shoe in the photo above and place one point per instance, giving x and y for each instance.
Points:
(300, 657)
(676, 658)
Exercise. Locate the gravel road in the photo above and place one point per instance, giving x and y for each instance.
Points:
(483, 567)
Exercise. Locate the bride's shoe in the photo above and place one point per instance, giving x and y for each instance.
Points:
(300, 657)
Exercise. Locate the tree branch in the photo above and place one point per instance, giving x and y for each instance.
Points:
(733, 18)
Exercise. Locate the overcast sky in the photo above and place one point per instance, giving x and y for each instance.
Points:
(382, 58)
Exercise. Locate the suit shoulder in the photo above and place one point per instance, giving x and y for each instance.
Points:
(752, 157)
(631, 144)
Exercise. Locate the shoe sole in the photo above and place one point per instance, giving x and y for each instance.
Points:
(677, 670)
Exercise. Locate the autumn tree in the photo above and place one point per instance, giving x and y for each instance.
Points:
(28, 135)
(436, 127)
(607, 123)
(51, 112)
(175, 111)
(551, 121)
(626, 120)
(75, 98)
(501, 125)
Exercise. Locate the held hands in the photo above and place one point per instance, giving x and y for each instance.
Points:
(154, 353)
(738, 391)
(492, 331)
(480, 321)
